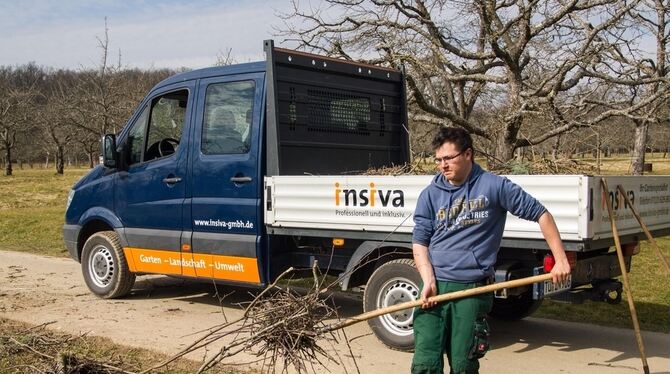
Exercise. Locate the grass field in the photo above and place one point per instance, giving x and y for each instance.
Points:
(32, 204)
(620, 165)
(32, 207)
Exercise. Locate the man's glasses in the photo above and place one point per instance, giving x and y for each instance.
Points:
(439, 160)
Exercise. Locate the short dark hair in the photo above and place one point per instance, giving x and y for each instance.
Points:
(456, 135)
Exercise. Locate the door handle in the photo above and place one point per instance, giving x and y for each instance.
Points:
(240, 179)
(171, 180)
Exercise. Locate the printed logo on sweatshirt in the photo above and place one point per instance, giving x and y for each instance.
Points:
(459, 217)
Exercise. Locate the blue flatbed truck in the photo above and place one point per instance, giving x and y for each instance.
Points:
(186, 187)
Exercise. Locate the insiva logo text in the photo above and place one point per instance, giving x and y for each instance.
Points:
(368, 197)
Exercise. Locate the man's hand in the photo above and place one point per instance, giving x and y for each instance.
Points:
(422, 262)
(429, 290)
(560, 271)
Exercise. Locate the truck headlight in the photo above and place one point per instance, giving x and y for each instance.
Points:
(70, 196)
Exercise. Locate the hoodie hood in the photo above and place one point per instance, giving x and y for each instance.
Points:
(442, 183)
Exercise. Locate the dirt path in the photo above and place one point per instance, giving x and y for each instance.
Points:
(163, 314)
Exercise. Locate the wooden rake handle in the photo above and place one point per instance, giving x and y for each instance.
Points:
(439, 299)
(624, 277)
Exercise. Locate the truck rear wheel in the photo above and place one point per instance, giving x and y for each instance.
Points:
(515, 308)
(104, 266)
(393, 283)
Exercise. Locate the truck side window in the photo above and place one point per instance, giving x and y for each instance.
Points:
(157, 131)
(228, 116)
(166, 123)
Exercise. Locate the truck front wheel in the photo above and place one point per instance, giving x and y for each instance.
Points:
(104, 266)
(393, 283)
(515, 308)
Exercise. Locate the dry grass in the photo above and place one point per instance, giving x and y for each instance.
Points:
(36, 349)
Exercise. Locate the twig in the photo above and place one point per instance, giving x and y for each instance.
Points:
(31, 349)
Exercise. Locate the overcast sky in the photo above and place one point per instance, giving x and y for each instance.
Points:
(158, 33)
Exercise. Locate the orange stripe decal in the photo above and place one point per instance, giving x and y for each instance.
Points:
(155, 261)
(239, 269)
(128, 252)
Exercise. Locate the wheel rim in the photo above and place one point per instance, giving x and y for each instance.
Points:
(101, 266)
(397, 291)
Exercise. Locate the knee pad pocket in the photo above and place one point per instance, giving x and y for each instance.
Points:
(480, 341)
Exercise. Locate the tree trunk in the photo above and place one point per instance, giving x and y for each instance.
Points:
(59, 160)
(8, 154)
(639, 147)
(90, 160)
(504, 151)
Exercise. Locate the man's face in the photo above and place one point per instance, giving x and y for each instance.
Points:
(454, 164)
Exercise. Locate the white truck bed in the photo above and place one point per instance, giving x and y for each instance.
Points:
(576, 202)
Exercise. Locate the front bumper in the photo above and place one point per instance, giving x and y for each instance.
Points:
(70, 237)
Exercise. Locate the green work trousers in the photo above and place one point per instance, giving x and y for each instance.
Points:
(453, 327)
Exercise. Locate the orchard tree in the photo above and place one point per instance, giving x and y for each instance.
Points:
(519, 62)
(56, 121)
(653, 18)
(17, 90)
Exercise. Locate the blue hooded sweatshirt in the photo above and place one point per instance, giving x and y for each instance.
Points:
(462, 226)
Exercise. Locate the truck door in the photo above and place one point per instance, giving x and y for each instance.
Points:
(150, 194)
(225, 180)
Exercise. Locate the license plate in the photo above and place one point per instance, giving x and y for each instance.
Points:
(551, 288)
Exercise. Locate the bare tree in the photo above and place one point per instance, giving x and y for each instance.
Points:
(17, 88)
(519, 62)
(653, 17)
(100, 94)
(225, 58)
(55, 121)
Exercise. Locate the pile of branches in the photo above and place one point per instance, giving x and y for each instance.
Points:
(419, 167)
(281, 327)
(535, 167)
(544, 166)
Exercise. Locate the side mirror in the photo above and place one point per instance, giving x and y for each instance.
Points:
(110, 157)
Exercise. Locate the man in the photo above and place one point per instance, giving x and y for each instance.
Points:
(459, 222)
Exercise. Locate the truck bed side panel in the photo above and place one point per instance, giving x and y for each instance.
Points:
(650, 196)
(345, 203)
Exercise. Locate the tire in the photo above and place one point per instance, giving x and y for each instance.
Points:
(104, 266)
(515, 308)
(394, 282)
